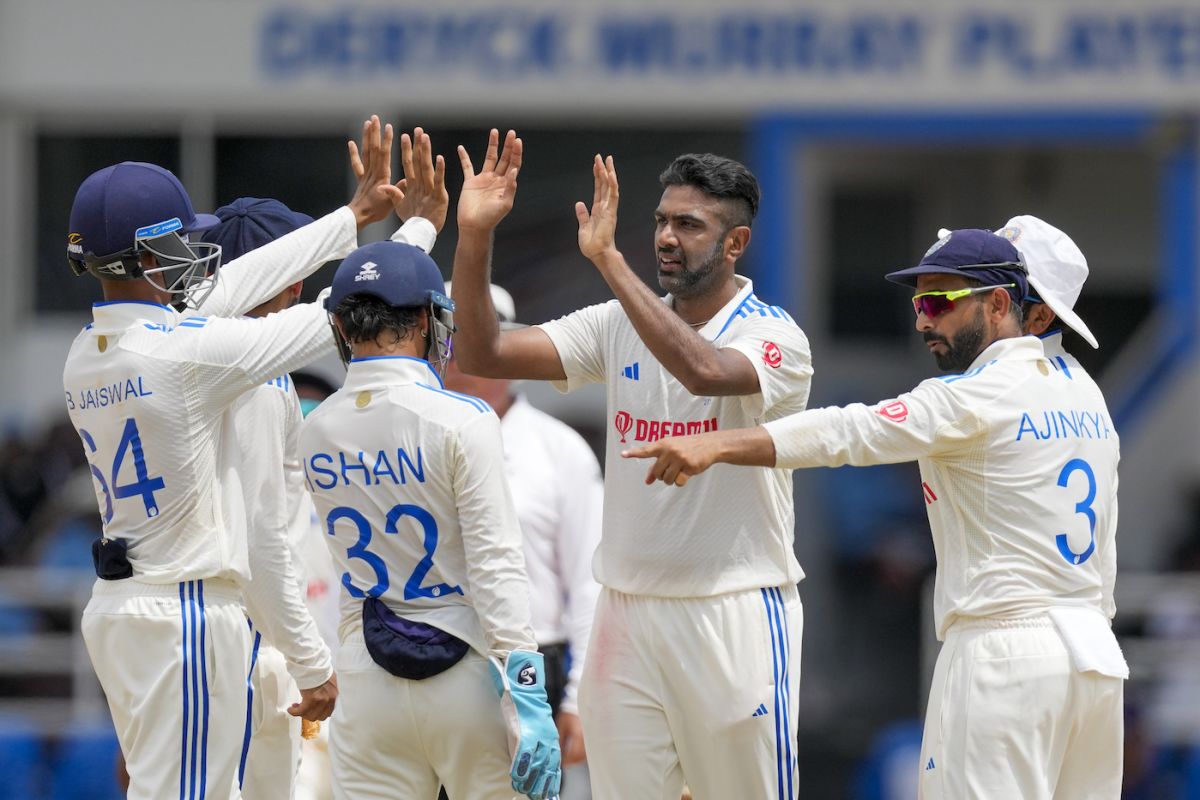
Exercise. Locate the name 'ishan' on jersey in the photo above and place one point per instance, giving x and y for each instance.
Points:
(393, 467)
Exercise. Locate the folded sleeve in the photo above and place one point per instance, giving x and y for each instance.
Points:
(779, 352)
(579, 338)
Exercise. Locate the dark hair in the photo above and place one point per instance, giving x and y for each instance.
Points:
(366, 317)
(719, 177)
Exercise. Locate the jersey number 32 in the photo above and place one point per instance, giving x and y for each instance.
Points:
(412, 587)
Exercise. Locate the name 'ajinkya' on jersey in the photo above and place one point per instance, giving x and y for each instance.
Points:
(408, 481)
(1018, 460)
(146, 388)
(731, 528)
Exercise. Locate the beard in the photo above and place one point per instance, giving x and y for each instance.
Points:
(964, 348)
(689, 283)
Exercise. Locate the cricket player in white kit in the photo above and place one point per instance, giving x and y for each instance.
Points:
(263, 428)
(1018, 463)
(441, 681)
(693, 668)
(146, 388)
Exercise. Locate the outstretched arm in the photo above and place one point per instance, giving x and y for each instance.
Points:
(479, 345)
(703, 369)
(931, 419)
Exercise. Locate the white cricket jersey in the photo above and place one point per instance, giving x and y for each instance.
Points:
(259, 460)
(730, 529)
(146, 388)
(1018, 464)
(558, 493)
(408, 479)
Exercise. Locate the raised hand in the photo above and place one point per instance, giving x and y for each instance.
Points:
(487, 196)
(597, 230)
(372, 166)
(422, 190)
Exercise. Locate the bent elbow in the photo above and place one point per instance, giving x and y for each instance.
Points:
(702, 383)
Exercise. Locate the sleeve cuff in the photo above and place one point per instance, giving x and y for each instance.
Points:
(311, 677)
(418, 232)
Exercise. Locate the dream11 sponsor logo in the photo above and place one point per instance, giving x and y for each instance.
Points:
(649, 430)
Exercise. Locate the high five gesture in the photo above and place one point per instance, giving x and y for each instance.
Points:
(598, 228)
(487, 196)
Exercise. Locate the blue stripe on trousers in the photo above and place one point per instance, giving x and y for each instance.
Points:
(775, 667)
(183, 616)
(786, 643)
(249, 706)
(204, 684)
(192, 635)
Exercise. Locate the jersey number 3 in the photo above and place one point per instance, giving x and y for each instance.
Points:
(412, 588)
(1084, 507)
(144, 486)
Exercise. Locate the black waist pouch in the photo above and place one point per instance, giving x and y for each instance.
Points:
(109, 557)
(408, 649)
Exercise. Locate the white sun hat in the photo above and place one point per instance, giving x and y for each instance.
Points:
(502, 301)
(1057, 268)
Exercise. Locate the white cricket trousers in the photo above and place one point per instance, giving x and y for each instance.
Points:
(702, 690)
(271, 746)
(394, 738)
(172, 661)
(1010, 717)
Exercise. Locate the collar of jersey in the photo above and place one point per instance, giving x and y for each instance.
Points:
(115, 315)
(720, 321)
(376, 370)
(1027, 347)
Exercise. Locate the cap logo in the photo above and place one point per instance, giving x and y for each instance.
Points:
(367, 272)
(1012, 233)
(75, 243)
(158, 229)
(938, 245)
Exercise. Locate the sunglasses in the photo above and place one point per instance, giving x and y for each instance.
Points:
(933, 304)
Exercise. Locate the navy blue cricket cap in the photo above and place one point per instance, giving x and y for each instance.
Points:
(250, 222)
(971, 253)
(399, 274)
(112, 204)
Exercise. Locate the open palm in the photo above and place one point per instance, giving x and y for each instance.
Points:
(487, 196)
(597, 228)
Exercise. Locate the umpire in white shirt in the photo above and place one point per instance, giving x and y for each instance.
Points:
(558, 492)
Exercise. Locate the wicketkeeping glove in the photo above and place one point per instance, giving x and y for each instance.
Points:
(532, 738)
